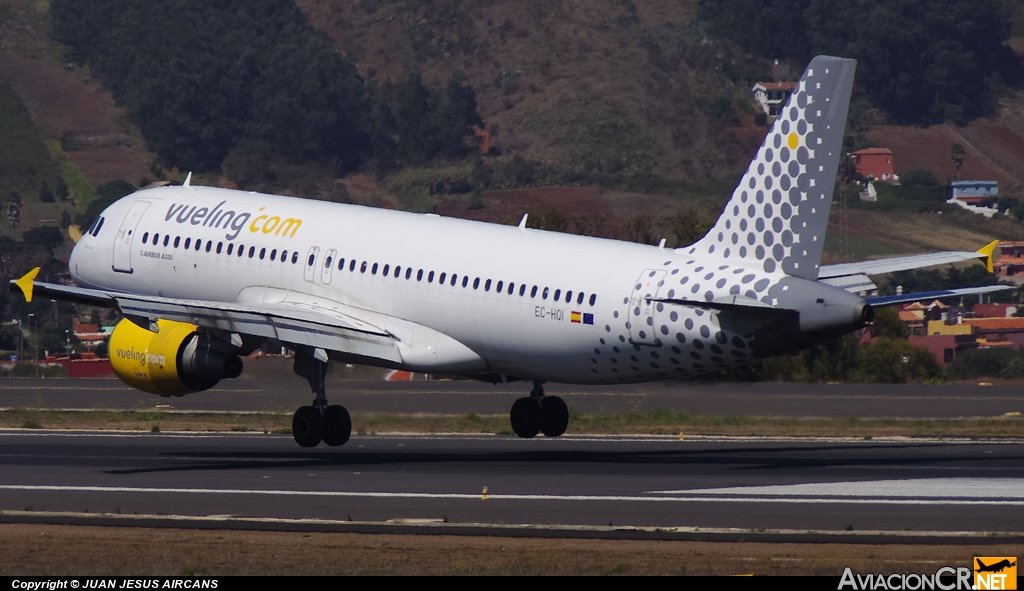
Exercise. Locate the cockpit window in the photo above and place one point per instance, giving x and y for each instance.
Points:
(99, 227)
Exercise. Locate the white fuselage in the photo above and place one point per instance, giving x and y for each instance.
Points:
(528, 303)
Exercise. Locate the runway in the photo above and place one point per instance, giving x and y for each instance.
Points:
(281, 391)
(758, 487)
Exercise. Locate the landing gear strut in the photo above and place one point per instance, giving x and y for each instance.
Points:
(539, 414)
(319, 422)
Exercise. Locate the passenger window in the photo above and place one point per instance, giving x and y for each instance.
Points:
(465, 281)
(499, 286)
(455, 279)
(558, 294)
(442, 278)
(327, 263)
(362, 267)
(252, 251)
(387, 268)
(419, 275)
(209, 245)
(231, 247)
(544, 294)
(593, 298)
(430, 277)
(241, 250)
(511, 287)
(476, 283)
(398, 271)
(199, 245)
(533, 292)
(220, 245)
(273, 255)
(341, 264)
(284, 256)
(166, 238)
(263, 253)
(352, 266)
(579, 298)
(145, 238)
(522, 290)
(373, 270)
(295, 257)
(188, 243)
(568, 297)
(408, 273)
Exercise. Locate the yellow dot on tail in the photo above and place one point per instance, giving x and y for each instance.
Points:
(793, 140)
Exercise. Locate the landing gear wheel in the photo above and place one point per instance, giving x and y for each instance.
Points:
(337, 425)
(554, 416)
(308, 426)
(525, 417)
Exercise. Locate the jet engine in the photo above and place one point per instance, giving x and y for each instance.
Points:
(175, 361)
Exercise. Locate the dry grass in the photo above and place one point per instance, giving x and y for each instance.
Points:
(657, 422)
(84, 550)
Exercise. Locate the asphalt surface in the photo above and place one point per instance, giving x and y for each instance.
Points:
(754, 484)
(281, 391)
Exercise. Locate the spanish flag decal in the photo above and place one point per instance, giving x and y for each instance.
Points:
(576, 317)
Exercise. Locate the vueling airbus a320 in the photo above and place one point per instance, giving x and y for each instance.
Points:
(203, 276)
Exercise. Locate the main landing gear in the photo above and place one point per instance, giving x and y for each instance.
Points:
(539, 414)
(319, 422)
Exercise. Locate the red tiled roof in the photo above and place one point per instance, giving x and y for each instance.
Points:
(870, 151)
(777, 85)
(996, 323)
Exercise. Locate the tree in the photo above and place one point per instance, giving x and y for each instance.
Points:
(48, 237)
(895, 361)
(888, 324)
(65, 219)
(45, 194)
(957, 154)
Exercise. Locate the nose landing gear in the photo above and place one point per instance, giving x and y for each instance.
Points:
(319, 422)
(539, 414)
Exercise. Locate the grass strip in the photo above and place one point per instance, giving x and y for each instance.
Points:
(656, 422)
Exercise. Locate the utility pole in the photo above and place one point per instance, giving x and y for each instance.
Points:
(35, 360)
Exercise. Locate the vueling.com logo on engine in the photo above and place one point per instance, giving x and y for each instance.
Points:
(232, 221)
(140, 357)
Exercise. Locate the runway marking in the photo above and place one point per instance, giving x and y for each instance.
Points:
(947, 488)
(510, 497)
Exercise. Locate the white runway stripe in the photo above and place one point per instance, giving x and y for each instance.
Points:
(513, 497)
(919, 488)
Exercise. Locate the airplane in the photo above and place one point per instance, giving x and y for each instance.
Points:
(203, 276)
(996, 567)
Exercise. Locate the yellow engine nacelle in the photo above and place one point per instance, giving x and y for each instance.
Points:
(175, 361)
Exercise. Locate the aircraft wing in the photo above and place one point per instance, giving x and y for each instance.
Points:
(289, 322)
(931, 295)
(853, 276)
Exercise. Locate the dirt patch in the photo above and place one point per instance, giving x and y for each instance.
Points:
(1000, 145)
(928, 148)
(86, 550)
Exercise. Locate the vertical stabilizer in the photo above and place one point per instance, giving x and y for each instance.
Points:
(777, 216)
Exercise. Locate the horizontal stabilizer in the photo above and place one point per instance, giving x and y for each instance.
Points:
(735, 303)
(920, 261)
(932, 295)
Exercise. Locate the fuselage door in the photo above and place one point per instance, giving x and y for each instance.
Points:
(642, 309)
(325, 271)
(311, 257)
(125, 235)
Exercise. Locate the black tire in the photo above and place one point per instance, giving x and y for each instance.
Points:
(525, 417)
(554, 416)
(337, 425)
(308, 426)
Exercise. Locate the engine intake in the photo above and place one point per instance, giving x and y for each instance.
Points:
(175, 361)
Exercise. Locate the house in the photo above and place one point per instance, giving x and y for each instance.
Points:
(1011, 261)
(773, 95)
(874, 163)
(978, 193)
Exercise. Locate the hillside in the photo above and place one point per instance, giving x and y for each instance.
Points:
(554, 80)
